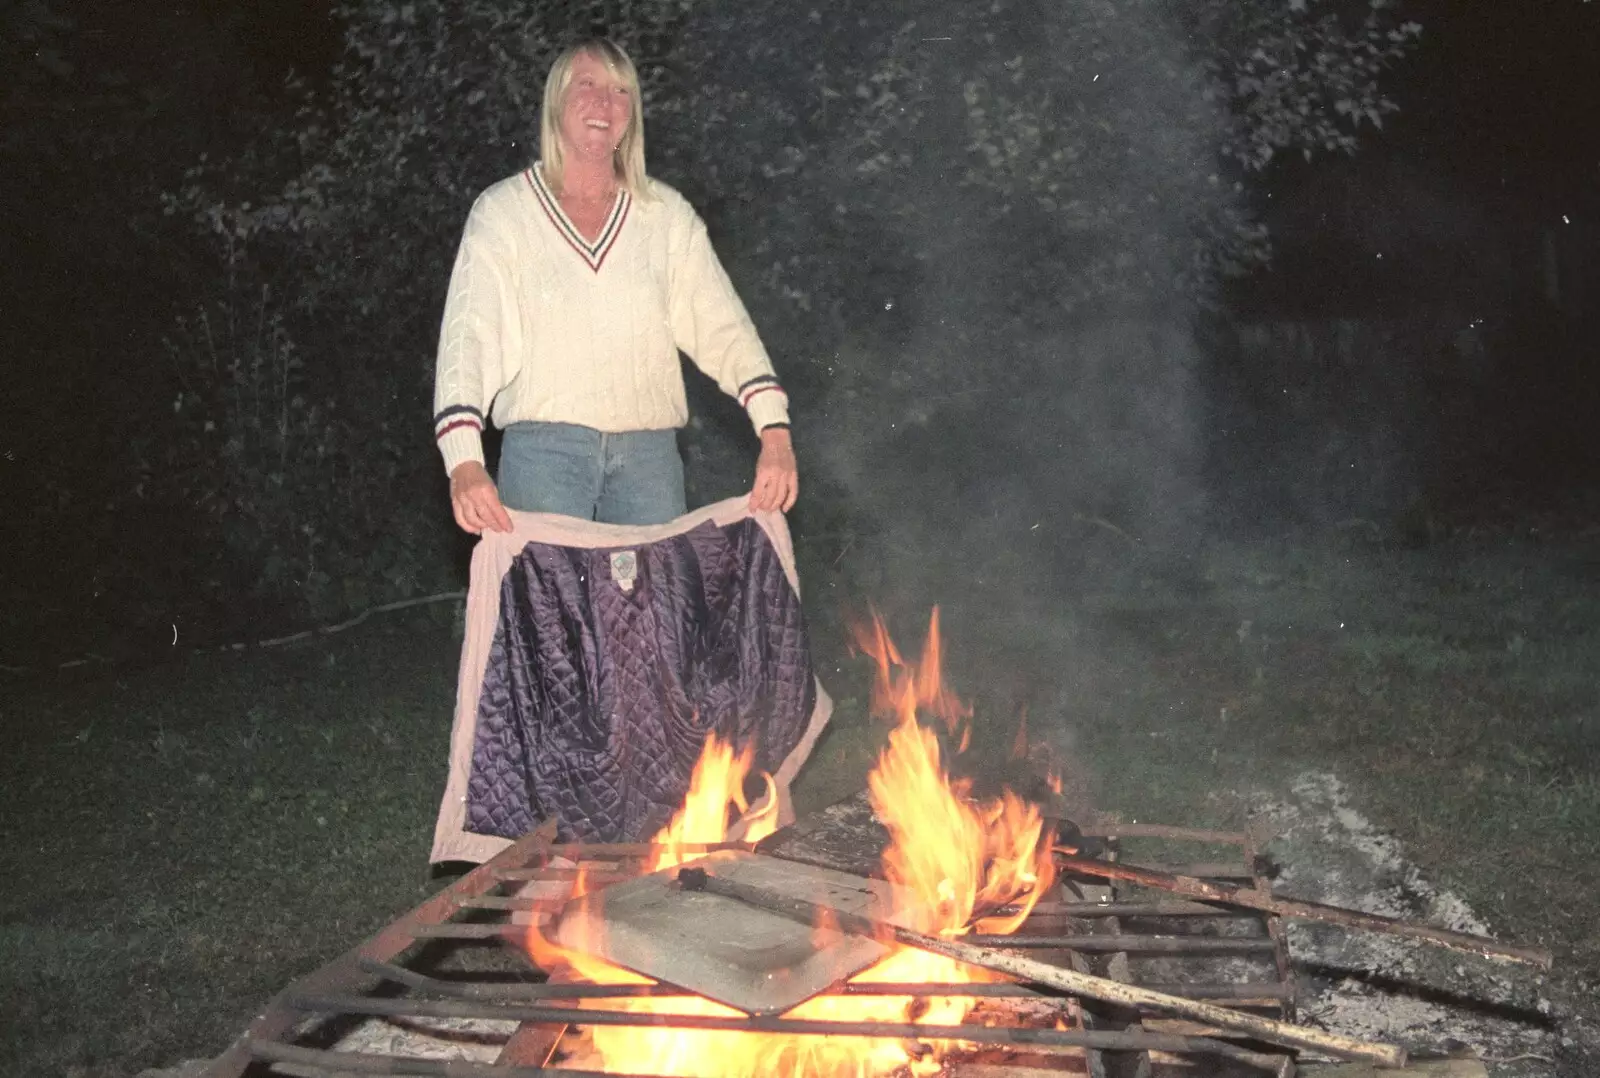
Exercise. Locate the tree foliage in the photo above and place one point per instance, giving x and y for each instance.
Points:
(912, 172)
(1121, 126)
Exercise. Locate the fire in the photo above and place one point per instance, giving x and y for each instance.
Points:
(958, 857)
(718, 782)
(959, 861)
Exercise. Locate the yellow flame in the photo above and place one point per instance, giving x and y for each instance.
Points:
(958, 861)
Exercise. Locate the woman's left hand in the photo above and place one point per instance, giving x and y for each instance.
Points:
(777, 476)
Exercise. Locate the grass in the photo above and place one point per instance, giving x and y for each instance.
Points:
(183, 840)
(1452, 688)
(188, 838)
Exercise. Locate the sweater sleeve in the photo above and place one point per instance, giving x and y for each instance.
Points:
(710, 324)
(474, 361)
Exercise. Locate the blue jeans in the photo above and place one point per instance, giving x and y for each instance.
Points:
(635, 477)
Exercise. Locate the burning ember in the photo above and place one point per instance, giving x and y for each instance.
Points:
(960, 860)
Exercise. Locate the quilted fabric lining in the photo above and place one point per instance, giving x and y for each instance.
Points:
(598, 698)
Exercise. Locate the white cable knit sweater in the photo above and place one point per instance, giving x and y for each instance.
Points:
(542, 325)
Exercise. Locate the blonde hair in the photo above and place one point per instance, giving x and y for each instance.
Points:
(628, 161)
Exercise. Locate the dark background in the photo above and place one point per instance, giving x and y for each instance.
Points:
(1481, 195)
(1472, 213)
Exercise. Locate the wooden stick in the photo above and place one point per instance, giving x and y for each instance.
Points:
(1128, 944)
(1044, 911)
(1028, 969)
(1267, 902)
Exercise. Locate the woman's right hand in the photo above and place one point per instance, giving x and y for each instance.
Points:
(476, 501)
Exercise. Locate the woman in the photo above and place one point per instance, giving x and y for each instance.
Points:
(576, 284)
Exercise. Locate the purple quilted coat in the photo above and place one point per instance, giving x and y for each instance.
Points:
(611, 663)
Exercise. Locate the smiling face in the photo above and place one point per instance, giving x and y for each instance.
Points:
(595, 110)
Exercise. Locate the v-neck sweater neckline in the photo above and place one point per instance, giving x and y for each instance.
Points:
(592, 253)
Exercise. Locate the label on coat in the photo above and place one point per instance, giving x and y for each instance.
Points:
(624, 568)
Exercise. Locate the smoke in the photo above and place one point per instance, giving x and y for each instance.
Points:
(1014, 401)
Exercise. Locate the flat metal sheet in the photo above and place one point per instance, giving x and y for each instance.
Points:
(723, 949)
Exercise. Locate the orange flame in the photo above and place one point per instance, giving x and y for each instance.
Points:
(718, 782)
(959, 862)
(959, 857)
(921, 686)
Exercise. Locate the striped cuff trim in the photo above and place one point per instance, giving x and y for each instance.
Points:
(458, 409)
(760, 380)
(748, 395)
(456, 417)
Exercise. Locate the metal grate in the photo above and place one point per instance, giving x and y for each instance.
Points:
(458, 955)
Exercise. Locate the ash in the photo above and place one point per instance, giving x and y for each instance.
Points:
(1378, 987)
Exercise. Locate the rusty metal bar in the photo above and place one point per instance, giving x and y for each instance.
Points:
(463, 989)
(595, 877)
(921, 989)
(1315, 911)
(363, 1063)
(388, 942)
(492, 930)
(1289, 1010)
(1271, 1064)
(486, 930)
(507, 903)
(1247, 991)
(534, 1044)
(640, 850)
(1008, 1036)
(1044, 911)
(1114, 966)
(1155, 830)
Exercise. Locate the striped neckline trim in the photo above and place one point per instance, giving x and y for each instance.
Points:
(593, 253)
